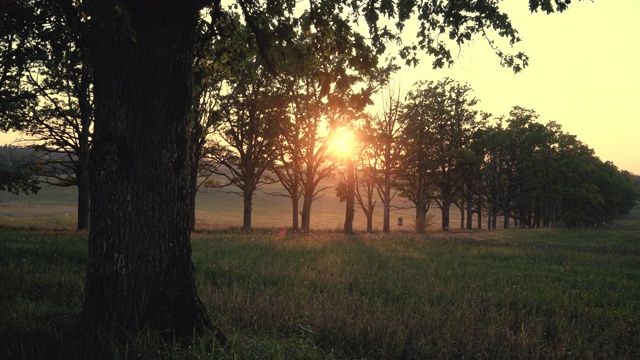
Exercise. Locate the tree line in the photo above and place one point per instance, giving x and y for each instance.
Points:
(258, 122)
(449, 154)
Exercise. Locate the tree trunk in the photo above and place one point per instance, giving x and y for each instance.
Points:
(479, 212)
(248, 203)
(386, 203)
(140, 272)
(294, 208)
(307, 200)
(494, 219)
(369, 221)
(469, 212)
(295, 198)
(421, 219)
(350, 208)
(507, 212)
(462, 213)
(446, 207)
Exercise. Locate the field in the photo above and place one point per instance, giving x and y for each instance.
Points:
(215, 209)
(543, 293)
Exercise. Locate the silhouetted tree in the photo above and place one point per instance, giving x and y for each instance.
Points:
(47, 93)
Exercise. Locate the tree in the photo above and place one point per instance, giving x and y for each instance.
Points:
(142, 56)
(415, 181)
(442, 113)
(212, 66)
(385, 130)
(253, 115)
(323, 98)
(48, 95)
(470, 171)
(492, 140)
(367, 177)
(450, 123)
(142, 53)
(367, 182)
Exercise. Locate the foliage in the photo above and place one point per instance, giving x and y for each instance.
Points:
(47, 94)
(252, 112)
(381, 136)
(443, 113)
(16, 181)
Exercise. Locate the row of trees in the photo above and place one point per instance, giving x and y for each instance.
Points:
(434, 147)
(260, 121)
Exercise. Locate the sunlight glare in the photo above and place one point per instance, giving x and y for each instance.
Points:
(343, 143)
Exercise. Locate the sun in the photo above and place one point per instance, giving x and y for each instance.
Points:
(343, 143)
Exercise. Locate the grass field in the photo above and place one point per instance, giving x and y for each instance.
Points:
(543, 293)
(215, 209)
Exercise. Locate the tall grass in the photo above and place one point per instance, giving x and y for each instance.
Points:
(547, 293)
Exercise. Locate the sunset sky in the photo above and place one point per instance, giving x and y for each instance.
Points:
(584, 73)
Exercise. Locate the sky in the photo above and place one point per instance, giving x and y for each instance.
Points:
(583, 73)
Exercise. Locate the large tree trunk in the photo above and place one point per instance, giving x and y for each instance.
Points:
(140, 272)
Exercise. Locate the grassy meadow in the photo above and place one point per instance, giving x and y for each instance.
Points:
(55, 207)
(541, 293)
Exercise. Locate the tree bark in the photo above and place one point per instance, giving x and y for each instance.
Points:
(479, 212)
(507, 212)
(307, 200)
(248, 204)
(295, 197)
(469, 211)
(350, 208)
(140, 272)
(386, 203)
(462, 212)
(446, 207)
